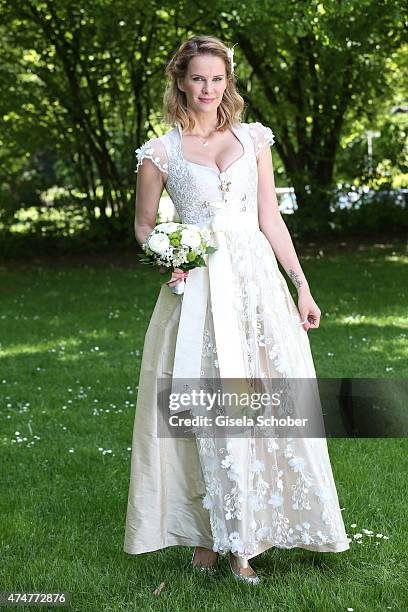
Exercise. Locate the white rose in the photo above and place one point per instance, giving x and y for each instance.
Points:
(167, 228)
(159, 243)
(190, 238)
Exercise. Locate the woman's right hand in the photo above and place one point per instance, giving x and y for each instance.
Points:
(177, 276)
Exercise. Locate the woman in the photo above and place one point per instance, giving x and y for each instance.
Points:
(236, 318)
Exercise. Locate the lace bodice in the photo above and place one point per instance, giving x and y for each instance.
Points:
(194, 188)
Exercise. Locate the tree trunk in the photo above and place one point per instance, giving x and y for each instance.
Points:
(313, 199)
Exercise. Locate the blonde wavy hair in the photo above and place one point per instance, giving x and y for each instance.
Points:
(174, 100)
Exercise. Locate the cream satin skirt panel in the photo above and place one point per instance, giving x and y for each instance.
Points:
(166, 481)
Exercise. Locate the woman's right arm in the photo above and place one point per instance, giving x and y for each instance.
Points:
(150, 185)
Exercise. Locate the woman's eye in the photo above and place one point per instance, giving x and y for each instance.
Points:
(199, 79)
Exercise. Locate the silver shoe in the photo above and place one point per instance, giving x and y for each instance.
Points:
(249, 579)
(208, 571)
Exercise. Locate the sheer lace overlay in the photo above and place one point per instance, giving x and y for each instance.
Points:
(263, 492)
(154, 150)
(261, 136)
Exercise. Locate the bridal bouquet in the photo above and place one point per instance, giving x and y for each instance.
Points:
(178, 245)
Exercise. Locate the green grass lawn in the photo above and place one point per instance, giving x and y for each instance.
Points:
(71, 338)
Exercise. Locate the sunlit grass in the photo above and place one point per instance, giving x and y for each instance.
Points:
(71, 341)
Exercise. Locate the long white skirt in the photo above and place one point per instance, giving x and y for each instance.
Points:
(239, 494)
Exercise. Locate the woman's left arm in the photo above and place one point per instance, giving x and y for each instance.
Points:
(275, 230)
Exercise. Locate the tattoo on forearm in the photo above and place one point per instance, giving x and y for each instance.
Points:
(295, 278)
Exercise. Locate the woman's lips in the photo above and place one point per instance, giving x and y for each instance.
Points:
(206, 100)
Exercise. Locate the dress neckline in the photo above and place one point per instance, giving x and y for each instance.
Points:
(218, 172)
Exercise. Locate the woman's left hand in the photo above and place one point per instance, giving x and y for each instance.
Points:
(308, 310)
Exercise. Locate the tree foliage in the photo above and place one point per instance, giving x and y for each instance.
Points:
(83, 86)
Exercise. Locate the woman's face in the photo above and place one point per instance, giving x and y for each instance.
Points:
(204, 83)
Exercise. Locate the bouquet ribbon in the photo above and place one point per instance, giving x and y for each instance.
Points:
(214, 280)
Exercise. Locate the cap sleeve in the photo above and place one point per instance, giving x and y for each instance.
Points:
(154, 150)
(261, 136)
